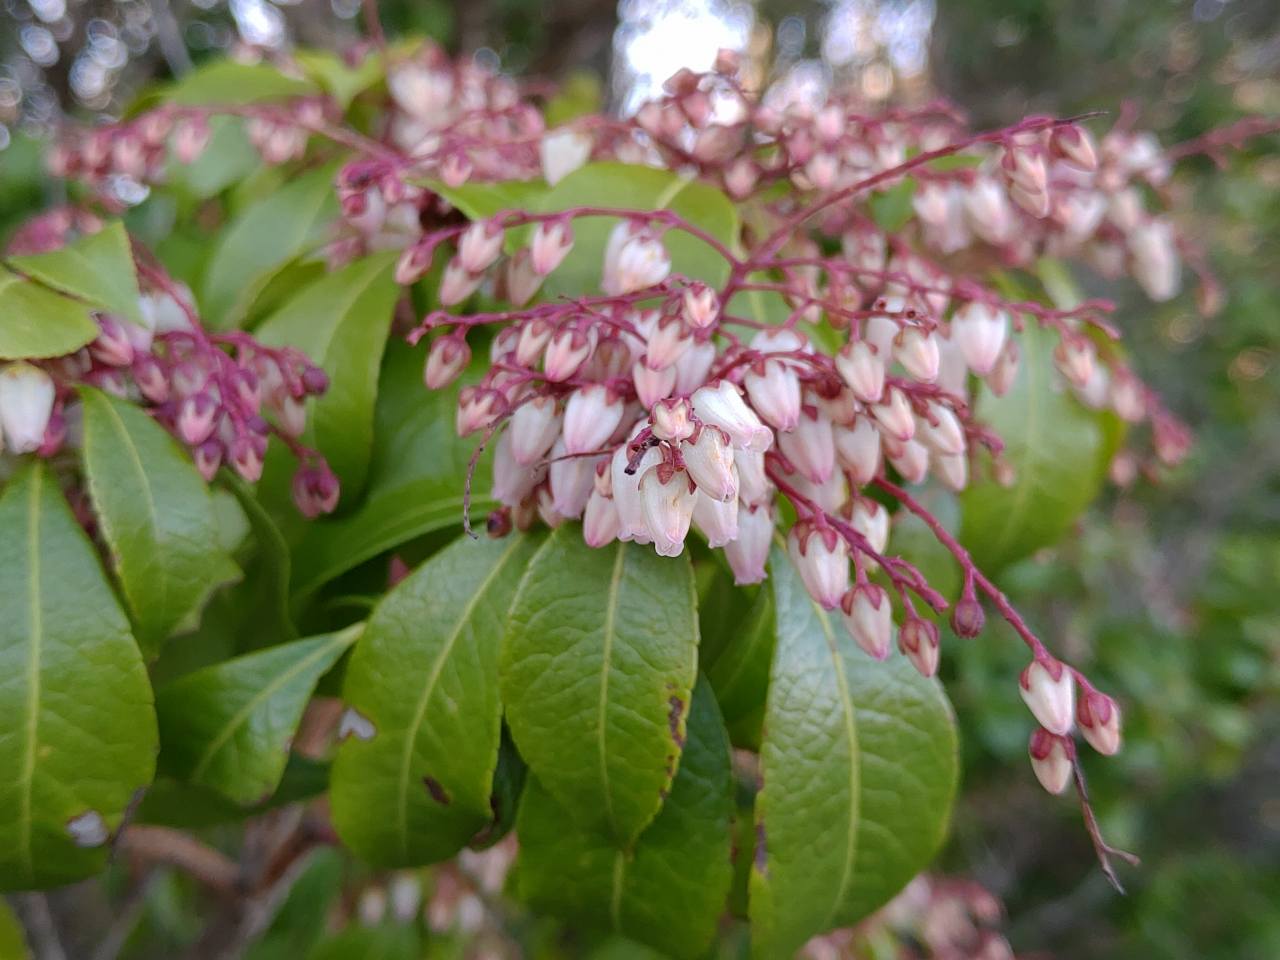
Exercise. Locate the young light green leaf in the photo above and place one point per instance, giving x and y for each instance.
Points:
(156, 515)
(37, 322)
(262, 239)
(597, 668)
(75, 705)
(866, 750)
(341, 323)
(417, 475)
(1054, 445)
(412, 784)
(228, 83)
(619, 185)
(332, 72)
(97, 268)
(670, 890)
(229, 726)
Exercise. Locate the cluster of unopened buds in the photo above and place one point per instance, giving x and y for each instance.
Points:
(221, 395)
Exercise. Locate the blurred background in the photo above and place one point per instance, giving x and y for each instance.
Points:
(1167, 595)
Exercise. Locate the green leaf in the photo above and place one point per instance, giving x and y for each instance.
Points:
(579, 94)
(390, 941)
(343, 82)
(891, 208)
(1054, 445)
(597, 669)
(75, 705)
(186, 806)
(13, 942)
(417, 474)
(740, 675)
(227, 158)
(230, 726)
(227, 83)
(670, 890)
(36, 322)
(156, 516)
(262, 239)
(423, 678)
(479, 201)
(97, 268)
(858, 766)
(341, 323)
(621, 186)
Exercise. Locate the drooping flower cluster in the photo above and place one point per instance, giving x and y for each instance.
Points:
(221, 395)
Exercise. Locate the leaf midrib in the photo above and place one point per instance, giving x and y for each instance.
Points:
(420, 709)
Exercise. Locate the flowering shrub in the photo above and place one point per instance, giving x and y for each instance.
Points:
(842, 347)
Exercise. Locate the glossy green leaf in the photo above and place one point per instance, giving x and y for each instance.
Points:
(13, 942)
(75, 706)
(228, 83)
(618, 185)
(341, 323)
(740, 675)
(390, 941)
(97, 268)
(669, 891)
(156, 516)
(227, 158)
(482, 200)
(597, 669)
(417, 477)
(858, 767)
(1054, 445)
(186, 806)
(413, 784)
(260, 240)
(37, 322)
(229, 726)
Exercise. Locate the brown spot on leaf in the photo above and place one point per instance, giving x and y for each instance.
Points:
(674, 717)
(438, 793)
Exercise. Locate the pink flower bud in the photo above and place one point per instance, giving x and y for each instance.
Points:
(634, 259)
(566, 352)
(1050, 760)
(987, 208)
(1002, 377)
(667, 497)
(967, 618)
(534, 337)
(456, 170)
(600, 520)
(980, 330)
(626, 493)
(917, 351)
(413, 263)
(1127, 397)
(1155, 259)
(717, 519)
(552, 241)
(591, 415)
(811, 447)
(822, 170)
(1034, 202)
(701, 306)
(291, 415)
(447, 358)
(245, 455)
(478, 408)
(748, 553)
(858, 449)
(1076, 146)
(709, 458)
(1048, 689)
(652, 385)
(862, 369)
(871, 519)
(1074, 357)
(113, 346)
(940, 430)
(1099, 719)
(910, 458)
(519, 281)
(722, 406)
(208, 457)
(672, 420)
(894, 415)
(572, 480)
(741, 178)
(952, 469)
(918, 641)
(457, 284)
(190, 136)
(868, 616)
(669, 339)
(822, 558)
(197, 417)
(315, 490)
(512, 480)
(774, 389)
(535, 424)
(479, 246)
(26, 406)
(562, 152)
(693, 367)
